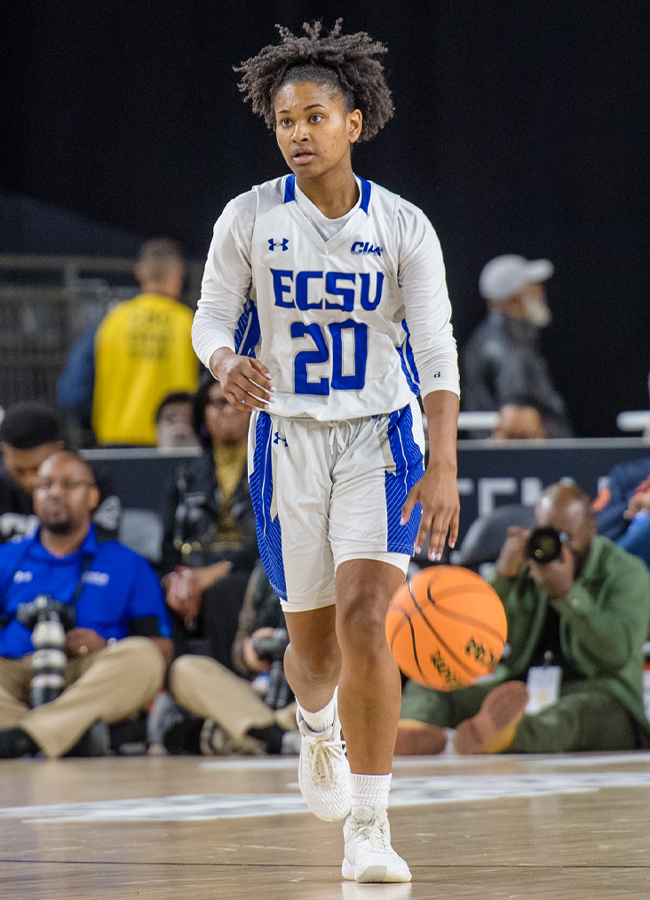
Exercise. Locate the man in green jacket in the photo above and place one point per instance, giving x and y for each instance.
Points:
(582, 617)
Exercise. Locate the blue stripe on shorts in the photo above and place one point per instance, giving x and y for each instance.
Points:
(269, 533)
(409, 468)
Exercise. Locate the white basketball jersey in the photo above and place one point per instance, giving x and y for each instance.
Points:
(331, 319)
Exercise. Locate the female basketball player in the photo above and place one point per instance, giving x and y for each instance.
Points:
(337, 286)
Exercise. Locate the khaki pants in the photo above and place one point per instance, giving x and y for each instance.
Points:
(209, 690)
(111, 684)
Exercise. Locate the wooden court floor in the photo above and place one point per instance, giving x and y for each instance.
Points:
(504, 827)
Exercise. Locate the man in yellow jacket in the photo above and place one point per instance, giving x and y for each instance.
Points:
(142, 352)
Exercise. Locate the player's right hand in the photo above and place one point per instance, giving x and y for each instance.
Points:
(245, 382)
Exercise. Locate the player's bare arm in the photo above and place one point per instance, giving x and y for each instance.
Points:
(437, 490)
(245, 382)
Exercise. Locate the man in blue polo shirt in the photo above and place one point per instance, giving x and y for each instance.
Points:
(120, 646)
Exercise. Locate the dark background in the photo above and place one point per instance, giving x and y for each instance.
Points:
(520, 127)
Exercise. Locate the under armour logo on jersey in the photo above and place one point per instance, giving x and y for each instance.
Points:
(360, 248)
(278, 437)
(284, 244)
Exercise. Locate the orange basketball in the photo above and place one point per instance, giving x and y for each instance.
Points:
(446, 627)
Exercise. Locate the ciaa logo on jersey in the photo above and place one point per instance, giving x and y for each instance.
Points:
(362, 248)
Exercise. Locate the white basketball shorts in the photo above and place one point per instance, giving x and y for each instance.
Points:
(326, 492)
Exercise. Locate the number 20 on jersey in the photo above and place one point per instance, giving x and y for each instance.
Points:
(349, 339)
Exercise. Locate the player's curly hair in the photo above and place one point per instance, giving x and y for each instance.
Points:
(344, 62)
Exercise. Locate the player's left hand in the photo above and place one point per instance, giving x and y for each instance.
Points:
(437, 493)
(556, 577)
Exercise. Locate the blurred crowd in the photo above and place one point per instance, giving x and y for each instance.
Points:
(181, 652)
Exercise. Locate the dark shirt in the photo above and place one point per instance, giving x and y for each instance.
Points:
(261, 609)
(549, 649)
(192, 522)
(16, 510)
(502, 364)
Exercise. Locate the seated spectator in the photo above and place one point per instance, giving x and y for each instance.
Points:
(518, 423)
(118, 650)
(623, 508)
(229, 716)
(141, 350)
(174, 421)
(29, 433)
(586, 613)
(502, 362)
(616, 504)
(210, 544)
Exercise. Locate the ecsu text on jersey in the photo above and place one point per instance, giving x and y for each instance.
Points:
(344, 290)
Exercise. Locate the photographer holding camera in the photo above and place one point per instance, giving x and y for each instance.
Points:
(578, 610)
(229, 715)
(84, 632)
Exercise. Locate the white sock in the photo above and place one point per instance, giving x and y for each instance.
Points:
(322, 719)
(370, 791)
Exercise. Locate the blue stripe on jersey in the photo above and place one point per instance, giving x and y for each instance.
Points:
(366, 188)
(290, 189)
(407, 359)
(269, 533)
(409, 468)
(365, 194)
(247, 333)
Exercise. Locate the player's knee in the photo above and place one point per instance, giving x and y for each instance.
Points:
(320, 664)
(362, 627)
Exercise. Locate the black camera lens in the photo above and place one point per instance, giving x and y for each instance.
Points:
(544, 545)
(272, 648)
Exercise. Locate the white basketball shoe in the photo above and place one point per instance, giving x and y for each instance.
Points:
(324, 771)
(369, 856)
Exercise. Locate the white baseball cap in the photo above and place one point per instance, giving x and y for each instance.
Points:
(505, 275)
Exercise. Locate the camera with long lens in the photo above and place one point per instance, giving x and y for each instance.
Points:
(272, 649)
(48, 620)
(545, 544)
